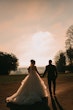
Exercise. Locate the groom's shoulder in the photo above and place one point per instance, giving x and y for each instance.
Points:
(50, 66)
(47, 66)
(54, 66)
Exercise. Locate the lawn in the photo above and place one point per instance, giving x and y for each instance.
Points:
(64, 99)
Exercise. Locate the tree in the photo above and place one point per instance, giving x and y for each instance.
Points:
(69, 47)
(69, 53)
(8, 62)
(60, 61)
(69, 40)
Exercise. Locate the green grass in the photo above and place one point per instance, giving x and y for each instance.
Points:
(66, 75)
(16, 78)
(11, 78)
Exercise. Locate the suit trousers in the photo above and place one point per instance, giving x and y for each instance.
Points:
(52, 85)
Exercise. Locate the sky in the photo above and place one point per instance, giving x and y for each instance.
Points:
(34, 29)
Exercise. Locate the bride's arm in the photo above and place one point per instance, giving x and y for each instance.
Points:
(28, 69)
(37, 70)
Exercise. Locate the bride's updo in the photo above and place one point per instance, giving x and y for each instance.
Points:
(32, 62)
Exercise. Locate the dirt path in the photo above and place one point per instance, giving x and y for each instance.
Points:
(62, 101)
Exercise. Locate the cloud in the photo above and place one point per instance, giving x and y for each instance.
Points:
(41, 47)
(42, 41)
(34, 29)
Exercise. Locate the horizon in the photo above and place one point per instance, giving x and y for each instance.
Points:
(34, 29)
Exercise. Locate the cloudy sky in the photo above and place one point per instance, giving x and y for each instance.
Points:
(34, 29)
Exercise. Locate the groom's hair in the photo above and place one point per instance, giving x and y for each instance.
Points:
(33, 61)
(50, 61)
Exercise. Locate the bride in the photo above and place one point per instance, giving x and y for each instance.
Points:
(31, 90)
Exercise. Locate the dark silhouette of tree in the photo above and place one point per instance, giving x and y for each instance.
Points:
(69, 48)
(8, 62)
(69, 35)
(60, 61)
(69, 53)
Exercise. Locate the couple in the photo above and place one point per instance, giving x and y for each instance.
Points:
(32, 88)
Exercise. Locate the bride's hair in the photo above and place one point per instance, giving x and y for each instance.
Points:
(32, 61)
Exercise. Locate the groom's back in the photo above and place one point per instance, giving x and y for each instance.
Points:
(51, 69)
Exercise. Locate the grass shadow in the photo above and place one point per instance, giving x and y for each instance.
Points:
(54, 107)
(56, 104)
(37, 106)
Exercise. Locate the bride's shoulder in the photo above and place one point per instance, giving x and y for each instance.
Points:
(32, 67)
(28, 68)
(35, 67)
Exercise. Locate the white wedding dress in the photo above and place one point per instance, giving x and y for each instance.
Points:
(31, 90)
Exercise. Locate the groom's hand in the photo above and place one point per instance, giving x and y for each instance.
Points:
(42, 75)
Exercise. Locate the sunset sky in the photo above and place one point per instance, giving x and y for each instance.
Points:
(34, 29)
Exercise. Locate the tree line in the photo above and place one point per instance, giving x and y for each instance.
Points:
(64, 60)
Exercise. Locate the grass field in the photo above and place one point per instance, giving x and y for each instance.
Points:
(64, 92)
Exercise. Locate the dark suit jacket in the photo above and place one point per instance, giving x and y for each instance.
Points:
(52, 71)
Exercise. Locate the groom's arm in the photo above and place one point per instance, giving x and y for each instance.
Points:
(45, 71)
(56, 72)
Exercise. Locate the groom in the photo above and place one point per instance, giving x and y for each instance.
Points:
(52, 75)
